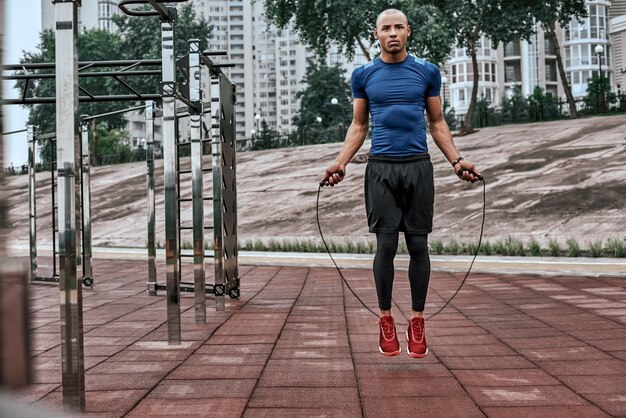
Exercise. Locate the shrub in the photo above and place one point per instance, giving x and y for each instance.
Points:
(573, 249)
(596, 248)
(554, 248)
(437, 246)
(534, 247)
(617, 248)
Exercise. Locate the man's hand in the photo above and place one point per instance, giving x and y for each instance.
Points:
(334, 174)
(470, 172)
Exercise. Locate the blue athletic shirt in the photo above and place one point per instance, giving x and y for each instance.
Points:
(396, 95)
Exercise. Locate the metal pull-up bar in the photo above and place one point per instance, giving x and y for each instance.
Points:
(158, 8)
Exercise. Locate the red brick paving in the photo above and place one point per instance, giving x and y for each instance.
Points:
(299, 344)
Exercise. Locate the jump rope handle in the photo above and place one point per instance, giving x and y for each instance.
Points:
(323, 182)
(460, 174)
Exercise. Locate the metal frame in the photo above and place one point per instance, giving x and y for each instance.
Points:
(224, 196)
(70, 158)
(85, 199)
(121, 68)
(85, 218)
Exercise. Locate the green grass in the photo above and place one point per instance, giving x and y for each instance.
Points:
(510, 246)
(554, 247)
(617, 248)
(486, 248)
(436, 246)
(573, 249)
(452, 247)
(595, 248)
(534, 248)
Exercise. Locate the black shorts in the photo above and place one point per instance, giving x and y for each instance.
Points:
(399, 194)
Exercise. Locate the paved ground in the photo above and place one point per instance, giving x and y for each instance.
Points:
(299, 344)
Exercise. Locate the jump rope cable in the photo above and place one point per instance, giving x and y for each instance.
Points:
(482, 226)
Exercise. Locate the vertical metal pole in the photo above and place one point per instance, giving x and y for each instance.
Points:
(73, 371)
(32, 202)
(216, 162)
(151, 203)
(196, 181)
(168, 92)
(53, 188)
(86, 205)
(229, 188)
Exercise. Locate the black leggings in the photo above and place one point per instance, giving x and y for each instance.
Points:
(419, 268)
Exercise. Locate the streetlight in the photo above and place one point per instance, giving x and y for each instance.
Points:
(257, 118)
(444, 81)
(599, 50)
(319, 119)
(334, 101)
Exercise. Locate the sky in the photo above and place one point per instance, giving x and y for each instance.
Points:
(22, 25)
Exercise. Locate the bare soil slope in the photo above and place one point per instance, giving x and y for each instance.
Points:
(547, 180)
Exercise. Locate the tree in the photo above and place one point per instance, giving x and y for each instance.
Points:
(323, 83)
(501, 21)
(549, 13)
(599, 95)
(347, 23)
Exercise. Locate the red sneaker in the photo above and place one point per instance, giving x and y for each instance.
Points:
(416, 338)
(388, 343)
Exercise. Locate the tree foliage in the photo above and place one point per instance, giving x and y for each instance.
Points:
(347, 23)
(500, 20)
(137, 38)
(323, 83)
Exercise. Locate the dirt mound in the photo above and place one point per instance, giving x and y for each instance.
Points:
(549, 180)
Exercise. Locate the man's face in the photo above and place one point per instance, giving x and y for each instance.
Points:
(392, 32)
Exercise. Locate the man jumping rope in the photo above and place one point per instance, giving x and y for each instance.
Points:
(395, 88)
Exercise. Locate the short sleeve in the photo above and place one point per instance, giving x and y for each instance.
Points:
(434, 84)
(356, 83)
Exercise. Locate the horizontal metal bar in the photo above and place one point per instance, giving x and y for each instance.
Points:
(45, 279)
(183, 111)
(14, 132)
(83, 64)
(35, 76)
(189, 287)
(115, 112)
(184, 172)
(214, 53)
(84, 99)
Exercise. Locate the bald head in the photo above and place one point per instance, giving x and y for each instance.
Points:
(388, 12)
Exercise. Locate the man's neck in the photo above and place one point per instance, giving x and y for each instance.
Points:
(393, 58)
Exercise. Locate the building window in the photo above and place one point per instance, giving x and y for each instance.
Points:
(512, 72)
(551, 70)
(512, 49)
(549, 47)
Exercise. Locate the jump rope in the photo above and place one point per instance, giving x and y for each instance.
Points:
(482, 226)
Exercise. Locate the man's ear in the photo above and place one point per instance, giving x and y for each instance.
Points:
(376, 33)
(409, 30)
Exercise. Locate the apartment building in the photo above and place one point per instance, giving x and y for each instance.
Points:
(617, 36)
(527, 64)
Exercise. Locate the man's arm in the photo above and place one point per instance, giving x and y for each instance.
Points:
(443, 138)
(354, 140)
